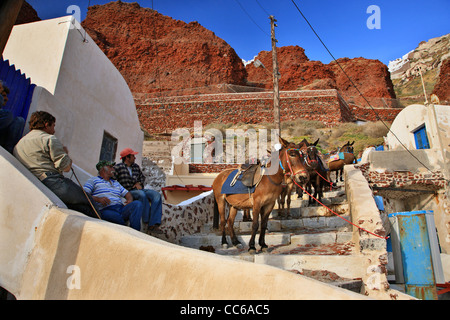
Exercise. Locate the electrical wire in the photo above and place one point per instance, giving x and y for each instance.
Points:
(259, 4)
(250, 17)
(360, 93)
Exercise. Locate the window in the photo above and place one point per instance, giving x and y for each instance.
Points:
(109, 147)
(420, 136)
(197, 150)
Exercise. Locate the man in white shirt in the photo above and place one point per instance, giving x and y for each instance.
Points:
(41, 152)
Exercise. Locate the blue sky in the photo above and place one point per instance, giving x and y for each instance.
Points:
(342, 25)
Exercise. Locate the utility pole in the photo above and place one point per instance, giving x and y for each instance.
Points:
(276, 92)
(419, 68)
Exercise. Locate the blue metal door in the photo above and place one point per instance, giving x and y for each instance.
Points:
(412, 240)
(421, 138)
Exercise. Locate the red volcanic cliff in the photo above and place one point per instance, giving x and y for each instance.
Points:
(155, 52)
(27, 14)
(371, 77)
(442, 87)
(294, 66)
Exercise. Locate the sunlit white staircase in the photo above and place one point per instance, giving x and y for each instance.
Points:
(312, 241)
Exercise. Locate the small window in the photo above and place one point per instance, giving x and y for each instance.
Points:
(197, 150)
(421, 138)
(109, 147)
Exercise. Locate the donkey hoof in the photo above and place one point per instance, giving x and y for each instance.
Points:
(239, 246)
(252, 250)
(265, 249)
(224, 245)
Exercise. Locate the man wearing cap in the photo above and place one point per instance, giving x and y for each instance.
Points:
(108, 194)
(129, 175)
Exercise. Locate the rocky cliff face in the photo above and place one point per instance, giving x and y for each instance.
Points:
(429, 56)
(371, 77)
(442, 87)
(294, 67)
(155, 52)
(298, 72)
(27, 14)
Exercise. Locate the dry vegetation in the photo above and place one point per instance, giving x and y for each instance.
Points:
(367, 134)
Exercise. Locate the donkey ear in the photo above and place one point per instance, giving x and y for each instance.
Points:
(315, 143)
(283, 142)
(352, 143)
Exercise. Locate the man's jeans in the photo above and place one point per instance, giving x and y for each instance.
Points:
(120, 213)
(151, 211)
(11, 129)
(70, 193)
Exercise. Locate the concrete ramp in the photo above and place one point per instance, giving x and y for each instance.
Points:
(50, 252)
(24, 203)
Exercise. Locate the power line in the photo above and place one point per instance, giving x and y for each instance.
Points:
(250, 17)
(259, 4)
(360, 93)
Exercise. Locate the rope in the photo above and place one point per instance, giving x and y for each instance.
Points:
(331, 183)
(87, 197)
(378, 236)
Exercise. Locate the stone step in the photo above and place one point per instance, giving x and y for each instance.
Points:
(326, 253)
(317, 222)
(328, 222)
(312, 241)
(214, 240)
(272, 239)
(345, 266)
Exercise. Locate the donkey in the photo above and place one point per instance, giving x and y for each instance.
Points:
(311, 162)
(338, 165)
(262, 200)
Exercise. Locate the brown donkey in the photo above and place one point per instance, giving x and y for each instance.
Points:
(311, 163)
(262, 200)
(338, 165)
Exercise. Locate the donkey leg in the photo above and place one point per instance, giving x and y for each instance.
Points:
(246, 216)
(265, 212)
(230, 224)
(288, 203)
(309, 189)
(221, 208)
(255, 225)
(280, 200)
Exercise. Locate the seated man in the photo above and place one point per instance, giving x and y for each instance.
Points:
(45, 156)
(129, 175)
(10, 127)
(108, 194)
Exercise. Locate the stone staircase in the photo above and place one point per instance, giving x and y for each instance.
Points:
(312, 241)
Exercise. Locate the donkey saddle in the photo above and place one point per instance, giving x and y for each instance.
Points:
(251, 174)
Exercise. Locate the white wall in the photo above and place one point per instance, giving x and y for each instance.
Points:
(24, 201)
(37, 49)
(78, 85)
(414, 116)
